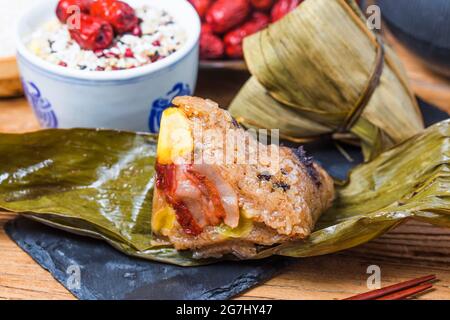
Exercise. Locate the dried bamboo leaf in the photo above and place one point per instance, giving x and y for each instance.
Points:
(99, 183)
(311, 69)
(293, 124)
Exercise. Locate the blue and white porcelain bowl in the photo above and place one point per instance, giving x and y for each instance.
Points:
(124, 99)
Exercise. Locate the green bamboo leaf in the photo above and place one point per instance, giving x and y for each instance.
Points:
(410, 181)
(92, 182)
(98, 183)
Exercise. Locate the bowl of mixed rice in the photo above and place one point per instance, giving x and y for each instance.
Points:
(124, 85)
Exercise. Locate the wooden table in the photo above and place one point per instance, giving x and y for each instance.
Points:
(413, 249)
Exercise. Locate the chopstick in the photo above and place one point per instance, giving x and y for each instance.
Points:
(407, 293)
(397, 291)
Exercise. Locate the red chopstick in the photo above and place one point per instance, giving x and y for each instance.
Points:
(397, 291)
(407, 293)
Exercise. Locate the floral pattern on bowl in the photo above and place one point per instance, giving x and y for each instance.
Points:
(161, 104)
(41, 106)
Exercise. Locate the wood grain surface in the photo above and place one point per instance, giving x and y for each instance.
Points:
(411, 250)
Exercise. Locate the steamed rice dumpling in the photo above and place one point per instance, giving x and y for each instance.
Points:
(321, 71)
(214, 196)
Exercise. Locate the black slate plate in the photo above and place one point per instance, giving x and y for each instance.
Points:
(91, 269)
(105, 273)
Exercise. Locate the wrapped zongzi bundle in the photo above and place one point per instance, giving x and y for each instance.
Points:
(322, 71)
(213, 197)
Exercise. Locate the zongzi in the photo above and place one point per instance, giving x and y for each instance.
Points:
(321, 71)
(215, 199)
